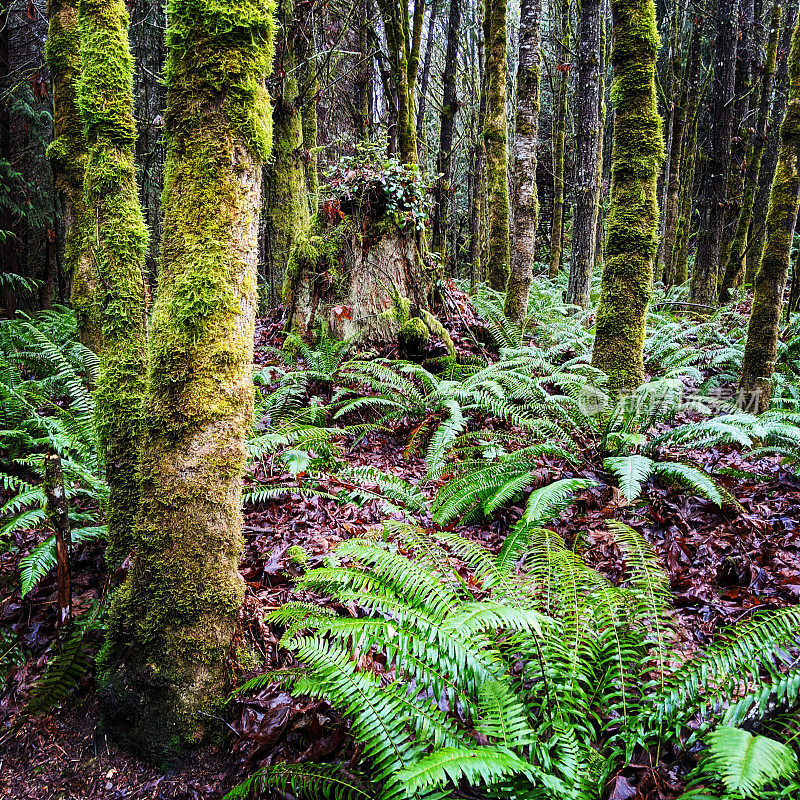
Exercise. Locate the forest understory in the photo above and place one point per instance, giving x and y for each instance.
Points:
(723, 564)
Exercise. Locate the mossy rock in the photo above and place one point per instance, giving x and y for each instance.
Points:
(413, 337)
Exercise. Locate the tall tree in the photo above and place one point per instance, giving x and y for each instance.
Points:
(587, 186)
(67, 155)
(498, 251)
(162, 670)
(524, 160)
(441, 216)
(559, 139)
(761, 347)
(705, 276)
(117, 243)
(734, 269)
(636, 155)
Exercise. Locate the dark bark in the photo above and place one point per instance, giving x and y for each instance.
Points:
(587, 110)
(559, 136)
(426, 70)
(705, 276)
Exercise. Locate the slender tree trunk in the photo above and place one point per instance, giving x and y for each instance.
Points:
(586, 185)
(599, 233)
(705, 276)
(735, 266)
(287, 211)
(769, 159)
(498, 255)
(67, 155)
(441, 215)
(426, 70)
(559, 136)
(162, 670)
(364, 72)
(677, 160)
(632, 241)
(305, 51)
(761, 347)
(395, 21)
(117, 242)
(524, 160)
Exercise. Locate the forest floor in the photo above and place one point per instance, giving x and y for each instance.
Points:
(723, 565)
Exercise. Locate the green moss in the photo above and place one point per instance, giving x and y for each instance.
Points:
(413, 335)
(171, 624)
(631, 243)
(117, 241)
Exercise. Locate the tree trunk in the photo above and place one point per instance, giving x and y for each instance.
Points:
(524, 160)
(67, 156)
(287, 213)
(426, 69)
(705, 276)
(735, 266)
(498, 255)
(587, 152)
(559, 136)
(677, 161)
(632, 241)
(441, 214)
(762, 333)
(117, 242)
(162, 671)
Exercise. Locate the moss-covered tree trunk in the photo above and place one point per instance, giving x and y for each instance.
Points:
(734, 270)
(287, 212)
(713, 193)
(559, 138)
(162, 671)
(761, 348)
(117, 244)
(441, 214)
(587, 186)
(67, 155)
(632, 240)
(524, 160)
(498, 250)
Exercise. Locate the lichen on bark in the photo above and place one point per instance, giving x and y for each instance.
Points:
(162, 669)
(632, 240)
(116, 243)
(761, 347)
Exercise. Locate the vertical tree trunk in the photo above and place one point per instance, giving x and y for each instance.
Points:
(363, 84)
(426, 70)
(67, 156)
(57, 510)
(305, 52)
(587, 110)
(632, 241)
(524, 160)
(498, 255)
(677, 161)
(395, 21)
(762, 333)
(559, 136)
(117, 243)
(287, 211)
(162, 670)
(441, 216)
(705, 276)
(735, 266)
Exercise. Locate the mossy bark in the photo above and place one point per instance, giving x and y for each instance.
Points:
(67, 156)
(117, 244)
(559, 138)
(498, 250)
(587, 186)
(403, 67)
(706, 272)
(524, 160)
(162, 670)
(443, 190)
(734, 269)
(762, 333)
(287, 212)
(632, 240)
